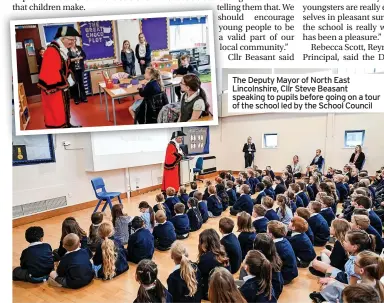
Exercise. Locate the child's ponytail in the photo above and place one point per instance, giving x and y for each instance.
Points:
(108, 250)
(373, 266)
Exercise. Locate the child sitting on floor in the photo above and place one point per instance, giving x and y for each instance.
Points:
(94, 239)
(164, 232)
(260, 223)
(121, 222)
(194, 189)
(230, 243)
(162, 206)
(140, 244)
(326, 209)
(36, 261)
(215, 207)
(171, 199)
(181, 222)
(270, 213)
(247, 232)
(147, 215)
(244, 203)
(202, 205)
(183, 196)
(194, 216)
(318, 224)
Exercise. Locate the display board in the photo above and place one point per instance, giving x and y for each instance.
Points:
(197, 140)
(98, 39)
(155, 31)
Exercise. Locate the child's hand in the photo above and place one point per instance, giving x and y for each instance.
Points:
(139, 86)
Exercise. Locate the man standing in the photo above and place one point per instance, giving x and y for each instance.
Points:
(55, 79)
(173, 156)
(249, 150)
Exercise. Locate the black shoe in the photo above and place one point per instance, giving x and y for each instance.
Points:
(73, 126)
(316, 297)
(318, 258)
(316, 272)
(329, 247)
(84, 101)
(77, 102)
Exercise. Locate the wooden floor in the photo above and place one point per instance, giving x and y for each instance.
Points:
(124, 288)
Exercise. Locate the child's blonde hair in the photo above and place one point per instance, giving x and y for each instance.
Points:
(160, 216)
(108, 250)
(340, 227)
(156, 75)
(180, 254)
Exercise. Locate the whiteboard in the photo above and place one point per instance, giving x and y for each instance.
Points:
(131, 148)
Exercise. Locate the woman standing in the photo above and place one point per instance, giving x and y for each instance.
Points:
(357, 158)
(296, 168)
(77, 57)
(128, 58)
(249, 150)
(194, 102)
(143, 53)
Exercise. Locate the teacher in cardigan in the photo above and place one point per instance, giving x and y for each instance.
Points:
(143, 53)
(357, 158)
(249, 150)
(173, 156)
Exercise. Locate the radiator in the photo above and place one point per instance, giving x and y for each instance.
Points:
(209, 165)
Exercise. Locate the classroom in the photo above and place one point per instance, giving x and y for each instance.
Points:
(271, 207)
(106, 75)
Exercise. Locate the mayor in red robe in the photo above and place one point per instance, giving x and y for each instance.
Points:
(173, 156)
(55, 79)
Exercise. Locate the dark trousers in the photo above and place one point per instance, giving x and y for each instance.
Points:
(297, 175)
(181, 237)
(20, 274)
(234, 212)
(78, 90)
(143, 67)
(160, 247)
(248, 160)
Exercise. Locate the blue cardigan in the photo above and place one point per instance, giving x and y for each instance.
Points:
(203, 208)
(184, 199)
(154, 298)
(195, 219)
(271, 215)
(232, 196)
(214, 205)
(302, 247)
(376, 221)
(259, 197)
(342, 191)
(379, 240)
(277, 283)
(287, 255)
(303, 196)
(328, 215)
(37, 260)
(181, 224)
(76, 268)
(299, 201)
(250, 290)
(270, 192)
(244, 203)
(320, 229)
(170, 202)
(233, 249)
(310, 235)
(164, 234)
(140, 246)
(261, 225)
(178, 288)
(166, 209)
(246, 242)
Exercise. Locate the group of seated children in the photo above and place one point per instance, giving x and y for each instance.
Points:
(269, 249)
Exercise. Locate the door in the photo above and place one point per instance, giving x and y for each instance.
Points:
(28, 42)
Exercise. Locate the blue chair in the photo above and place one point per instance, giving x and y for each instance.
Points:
(198, 168)
(102, 195)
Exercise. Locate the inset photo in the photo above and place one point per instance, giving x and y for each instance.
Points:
(113, 73)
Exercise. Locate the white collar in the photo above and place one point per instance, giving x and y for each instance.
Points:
(224, 235)
(63, 49)
(294, 233)
(170, 197)
(248, 277)
(300, 192)
(325, 208)
(96, 225)
(278, 240)
(261, 191)
(68, 252)
(314, 214)
(177, 146)
(211, 195)
(242, 194)
(35, 243)
(194, 95)
(162, 223)
(259, 218)
(176, 267)
(200, 201)
(179, 214)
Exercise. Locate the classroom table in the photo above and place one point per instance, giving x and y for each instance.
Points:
(131, 90)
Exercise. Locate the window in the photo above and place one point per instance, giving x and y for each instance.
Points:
(270, 141)
(353, 138)
(187, 32)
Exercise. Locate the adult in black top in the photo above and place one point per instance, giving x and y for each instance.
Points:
(143, 53)
(77, 56)
(249, 150)
(357, 158)
(39, 57)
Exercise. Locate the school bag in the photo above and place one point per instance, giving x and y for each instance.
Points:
(169, 113)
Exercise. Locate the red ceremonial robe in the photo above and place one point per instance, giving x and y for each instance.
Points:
(171, 176)
(55, 88)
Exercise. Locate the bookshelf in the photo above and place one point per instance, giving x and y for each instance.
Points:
(23, 108)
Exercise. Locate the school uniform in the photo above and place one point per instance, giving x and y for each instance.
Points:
(287, 255)
(346, 185)
(207, 262)
(270, 192)
(320, 229)
(61, 251)
(299, 202)
(250, 291)
(203, 208)
(153, 297)
(310, 234)
(246, 242)
(328, 215)
(277, 283)
(260, 196)
(36, 261)
(348, 212)
(376, 221)
(223, 196)
(181, 224)
(303, 249)
(178, 288)
(260, 224)
(170, 202)
(195, 219)
(166, 210)
(314, 189)
(121, 263)
(343, 193)
(353, 179)
(244, 203)
(287, 218)
(373, 193)
(271, 214)
(232, 196)
(214, 205)
(184, 199)
(293, 206)
(311, 194)
(338, 256)
(233, 249)
(93, 239)
(164, 235)
(280, 189)
(252, 183)
(378, 238)
(206, 194)
(303, 196)
(192, 193)
(140, 246)
(75, 269)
